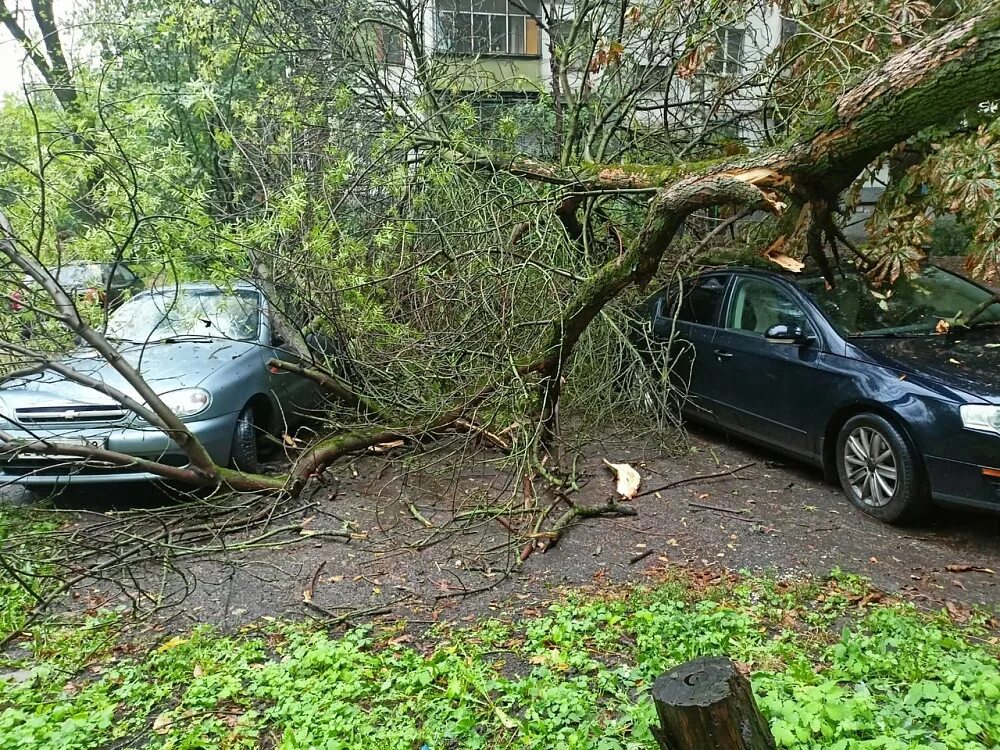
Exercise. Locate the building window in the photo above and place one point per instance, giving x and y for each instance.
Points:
(727, 60)
(489, 27)
(391, 49)
(654, 77)
(789, 29)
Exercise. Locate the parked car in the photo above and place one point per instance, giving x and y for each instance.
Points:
(873, 385)
(112, 283)
(202, 348)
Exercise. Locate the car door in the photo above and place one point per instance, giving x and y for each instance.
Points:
(293, 393)
(779, 393)
(686, 320)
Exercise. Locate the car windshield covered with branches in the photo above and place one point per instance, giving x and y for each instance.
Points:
(911, 306)
(195, 313)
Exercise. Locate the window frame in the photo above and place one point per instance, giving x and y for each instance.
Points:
(788, 290)
(530, 31)
(386, 52)
(728, 66)
(727, 281)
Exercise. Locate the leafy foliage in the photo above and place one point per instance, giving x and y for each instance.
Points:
(576, 676)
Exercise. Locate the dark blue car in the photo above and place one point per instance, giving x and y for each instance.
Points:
(879, 386)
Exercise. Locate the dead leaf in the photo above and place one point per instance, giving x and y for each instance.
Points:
(161, 724)
(628, 479)
(968, 569)
(172, 643)
(958, 613)
(198, 671)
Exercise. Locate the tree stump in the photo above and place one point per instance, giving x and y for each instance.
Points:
(707, 704)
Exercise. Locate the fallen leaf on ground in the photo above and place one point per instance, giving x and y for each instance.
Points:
(172, 643)
(628, 479)
(958, 613)
(161, 724)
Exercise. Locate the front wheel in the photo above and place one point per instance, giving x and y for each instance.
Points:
(243, 453)
(879, 471)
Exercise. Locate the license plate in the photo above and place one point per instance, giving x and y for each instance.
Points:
(74, 441)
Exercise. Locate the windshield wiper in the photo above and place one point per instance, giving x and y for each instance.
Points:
(197, 337)
(866, 335)
(893, 335)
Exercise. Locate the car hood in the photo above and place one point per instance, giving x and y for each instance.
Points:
(165, 367)
(969, 360)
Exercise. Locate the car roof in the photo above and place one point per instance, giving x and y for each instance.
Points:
(775, 273)
(196, 286)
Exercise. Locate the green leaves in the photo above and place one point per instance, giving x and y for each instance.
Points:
(576, 676)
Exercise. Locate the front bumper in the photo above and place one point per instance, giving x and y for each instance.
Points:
(215, 433)
(964, 483)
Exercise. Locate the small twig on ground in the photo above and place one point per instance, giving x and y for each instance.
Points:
(420, 517)
(641, 556)
(493, 439)
(471, 592)
(611, 508)
(698, 478)
(336, 619)
(736, 515)
(315, 577)
(720, 509)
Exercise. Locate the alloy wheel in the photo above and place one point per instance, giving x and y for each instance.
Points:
(871, 467)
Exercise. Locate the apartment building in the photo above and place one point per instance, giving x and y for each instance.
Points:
(506, 51)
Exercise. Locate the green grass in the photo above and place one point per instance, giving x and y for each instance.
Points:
(832, 667)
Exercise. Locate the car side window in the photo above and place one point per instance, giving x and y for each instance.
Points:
(698, 300)
(123, 275)
(758, 304)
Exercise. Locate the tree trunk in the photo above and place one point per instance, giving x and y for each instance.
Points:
(707, 704)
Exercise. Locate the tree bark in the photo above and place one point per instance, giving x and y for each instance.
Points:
(707, 704)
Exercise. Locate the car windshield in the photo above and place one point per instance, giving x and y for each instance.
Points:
(188, 313)
(911, 306)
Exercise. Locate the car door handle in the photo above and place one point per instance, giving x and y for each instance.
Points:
(723, 354)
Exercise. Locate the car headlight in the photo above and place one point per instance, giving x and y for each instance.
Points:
(982, 417)
(187, 401)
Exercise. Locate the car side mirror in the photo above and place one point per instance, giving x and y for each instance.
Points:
(782, 333)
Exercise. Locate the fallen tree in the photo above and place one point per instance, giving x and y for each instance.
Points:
(929, 83)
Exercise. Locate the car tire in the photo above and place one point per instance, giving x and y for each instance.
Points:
(243, 454)
(880, 471)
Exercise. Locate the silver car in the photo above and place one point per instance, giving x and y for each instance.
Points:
(203, 349)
